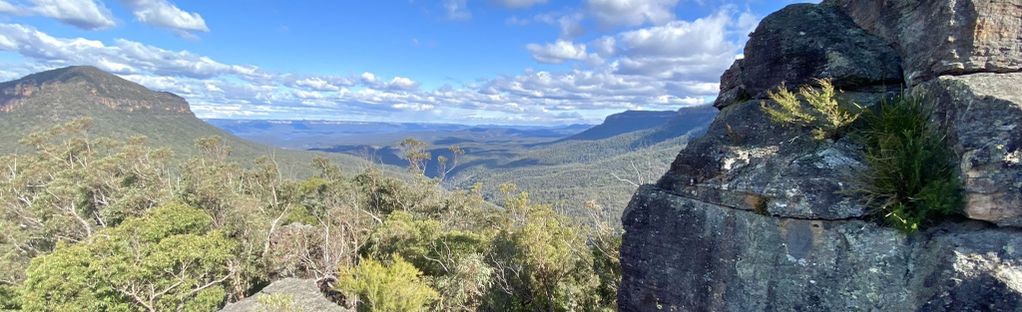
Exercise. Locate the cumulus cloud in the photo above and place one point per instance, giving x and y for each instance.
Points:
(660, 67)
(558, 52)
(162, 13)
(698, 49)
(402, 83)
(632, 12)
(7, 7)
(85, 14)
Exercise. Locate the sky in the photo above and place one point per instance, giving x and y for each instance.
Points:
(535, 62)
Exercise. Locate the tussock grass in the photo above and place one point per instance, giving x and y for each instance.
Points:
(910, 178)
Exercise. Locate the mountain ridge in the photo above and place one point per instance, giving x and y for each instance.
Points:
(121, 109)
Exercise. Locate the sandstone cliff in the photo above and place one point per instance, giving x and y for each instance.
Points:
(755, 216)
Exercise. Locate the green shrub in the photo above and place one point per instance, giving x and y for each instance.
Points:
(911, 177)
(825, 114)
(8, 298)
(397, 287)
(169, 259)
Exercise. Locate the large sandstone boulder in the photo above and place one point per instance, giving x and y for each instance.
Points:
(984, 115)
(747, 162)
(945, 37)
(290, 294)
(804, 42)
(756, 216)
(694, 256)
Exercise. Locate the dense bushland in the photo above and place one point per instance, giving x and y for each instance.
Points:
(99, 224)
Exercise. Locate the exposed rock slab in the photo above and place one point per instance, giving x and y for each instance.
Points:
(748, 162)
(302, 294)
(682, 254)
(945, 37)
(984, 115)
(804, 42)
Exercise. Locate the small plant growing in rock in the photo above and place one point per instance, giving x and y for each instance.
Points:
(911, 178)
(824, 113)
(278, 303)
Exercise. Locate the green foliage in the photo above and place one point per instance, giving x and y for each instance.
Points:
(541, 268)
(9, 299)
(451, 260)
(911, 177)
(424, 243)
(414, 151)
(170, 259)
(98, 224)
(277, 303)
(825, 115)
(397, 287)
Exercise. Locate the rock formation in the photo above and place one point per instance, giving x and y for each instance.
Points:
(289, 294)
(756, 216)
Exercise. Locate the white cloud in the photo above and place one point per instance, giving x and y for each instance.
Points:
(457, 9)
(402, 83)
(558, 52)
(85, 14)
(368, 77)
(322, 84)
(605, 46)
(7, 7)
(520, 4)
(162, 13)
(656, 67)
(632, 12)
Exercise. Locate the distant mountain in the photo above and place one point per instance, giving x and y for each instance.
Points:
(119, 108)
(654, 126)
(685, 121)
(621, 123)
(317, 134)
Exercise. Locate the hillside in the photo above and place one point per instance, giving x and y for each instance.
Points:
(566, 172)
(119, 108)
(624, 122)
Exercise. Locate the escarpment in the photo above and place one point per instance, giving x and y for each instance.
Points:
(758, 216)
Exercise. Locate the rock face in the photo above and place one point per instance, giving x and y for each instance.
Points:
(756, 216)
(945, 37)
(984, 114)
(293, 293)
(803, 42)
(711, 258)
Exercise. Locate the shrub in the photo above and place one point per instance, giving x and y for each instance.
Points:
(169, 259)
(825, 114)
(911, 176)
(397, 287)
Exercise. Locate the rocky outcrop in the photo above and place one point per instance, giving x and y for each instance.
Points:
(289, 294)
(756, 216)
(945, 37)
(804, 42)
(984, 114)
(711, 258)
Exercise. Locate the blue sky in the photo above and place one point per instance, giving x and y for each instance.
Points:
(455, 61)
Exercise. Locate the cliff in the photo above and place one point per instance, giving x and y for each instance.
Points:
(756, 216)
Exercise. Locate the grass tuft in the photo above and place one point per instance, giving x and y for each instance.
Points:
(911, 179)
